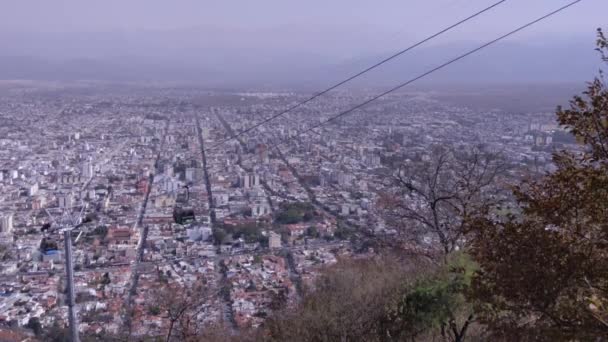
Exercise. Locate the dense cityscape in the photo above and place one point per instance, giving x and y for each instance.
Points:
(318, 171)
(163, 190)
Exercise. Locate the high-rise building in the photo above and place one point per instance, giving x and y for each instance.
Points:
(6, 224)
(169, 170)
(87, 170)
(65, 200)
(260, 209)
(33, 189)
(190, 174)
(274, 240)
(249, 181)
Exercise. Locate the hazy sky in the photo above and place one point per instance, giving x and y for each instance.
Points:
(412, 16)
(248, 35)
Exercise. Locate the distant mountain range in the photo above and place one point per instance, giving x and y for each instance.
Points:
(232, 62)
(502, 63)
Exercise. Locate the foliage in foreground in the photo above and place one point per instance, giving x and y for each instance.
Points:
(377, 300)
(545, 274)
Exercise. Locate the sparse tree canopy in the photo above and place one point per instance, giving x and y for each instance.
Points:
(436, 197)
(349, 302)
(182, 307)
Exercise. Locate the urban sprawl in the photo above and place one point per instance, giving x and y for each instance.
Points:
(170, 188)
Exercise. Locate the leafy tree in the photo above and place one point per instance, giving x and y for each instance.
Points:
(102, 231)
(90, 218)
(45, 227)
(544, 274)
(106, 279)
(251, 232)
(263, 240)
(56, 333)
(343, 232)
(312, 232)
(295, 212)
(219, 236)
(289, 216)
(154, 310)
(34, 324)
(436, 304)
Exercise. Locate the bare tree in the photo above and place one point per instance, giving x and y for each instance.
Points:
(436, 196)
(182, 306)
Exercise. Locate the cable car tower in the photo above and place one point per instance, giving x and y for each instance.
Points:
(68, 220)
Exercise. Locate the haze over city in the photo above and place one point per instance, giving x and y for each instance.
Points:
(341, 170)
(278, 43)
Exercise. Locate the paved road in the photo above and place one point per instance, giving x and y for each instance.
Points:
(267, 188)
(142, 238)
(201, 142)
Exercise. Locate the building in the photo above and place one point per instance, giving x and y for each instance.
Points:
(199, 233)
(169, 171)
(220, 198)
(249, 181)
(33, 189)
(274, 240)
(164, 201)
(260, 209)
(170, 185)
(68, 178)
(121, 236)
(190, 174)
(6, 224)
(297, 230)
(142, 186)
(87, 170)
(65, 200)
(38, 203)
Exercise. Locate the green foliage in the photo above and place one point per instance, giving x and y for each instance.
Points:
(434, 301)
(106, 279)
(251, 232)
(114, 179)
(295, 212)
(154, 310)
(263, 240)
(342, 232)
(90, 218)
(102, 231)
(34, 324)
(289, 216)
(312, 232)
(220, 236)
(56, 333)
